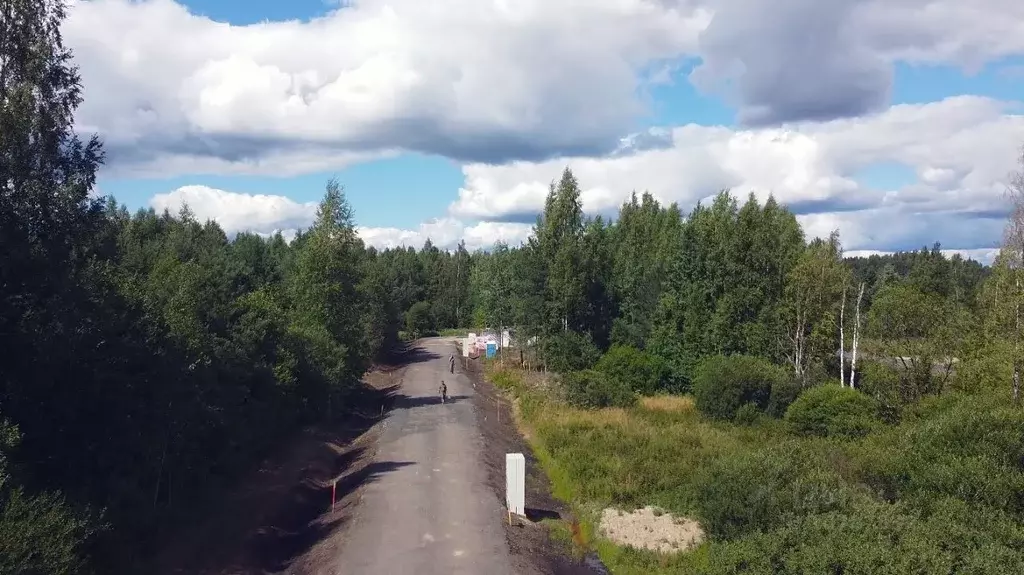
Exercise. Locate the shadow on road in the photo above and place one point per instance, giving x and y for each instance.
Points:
(411, 353)
(281, 509)
(296, 530)
(402, 401)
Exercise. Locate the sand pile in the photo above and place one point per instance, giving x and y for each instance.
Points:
(650, 528)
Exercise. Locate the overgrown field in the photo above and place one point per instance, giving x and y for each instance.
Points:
(940, 492)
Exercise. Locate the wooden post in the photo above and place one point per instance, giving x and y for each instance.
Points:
(334, 492)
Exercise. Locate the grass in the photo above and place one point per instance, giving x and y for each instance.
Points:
(768, 497)
(626, 458)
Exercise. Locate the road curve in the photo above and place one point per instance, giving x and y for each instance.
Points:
(428, 509)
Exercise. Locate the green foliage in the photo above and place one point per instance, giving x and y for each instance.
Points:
(833, 411)
(419, 320)
(639, 371)
(763, 489)
(877, 538)
(964, 447)
(748, 414)
(569, 351)
(40, 534)
(593, 389)
(721, 384)
(784, 392)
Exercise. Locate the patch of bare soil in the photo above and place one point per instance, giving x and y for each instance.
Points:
(530, 543)
(279, 519)
(651, 528)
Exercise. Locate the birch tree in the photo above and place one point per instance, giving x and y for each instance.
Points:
(856, 338)
(813, 290)
(1012, 257)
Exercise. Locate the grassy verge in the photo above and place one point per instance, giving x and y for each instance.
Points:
(939, 493)
(625, 458)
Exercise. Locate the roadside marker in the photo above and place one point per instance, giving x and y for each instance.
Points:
(334, 492)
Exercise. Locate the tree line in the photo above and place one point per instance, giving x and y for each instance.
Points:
(149, 357)
(728, 278)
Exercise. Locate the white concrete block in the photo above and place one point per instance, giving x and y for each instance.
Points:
(515, 483)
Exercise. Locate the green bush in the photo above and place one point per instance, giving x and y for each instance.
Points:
(872, 538)
(784, 392)
(593, 389)
(969, 448)
(831, 410)
(419, 320)
(640, 371)
(747, 414)
(748, 491)
(721, 384)
(568, 351)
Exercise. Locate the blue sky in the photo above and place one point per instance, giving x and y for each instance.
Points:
(449, 120)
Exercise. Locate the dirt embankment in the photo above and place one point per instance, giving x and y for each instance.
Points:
(529, 543)
(279, 519)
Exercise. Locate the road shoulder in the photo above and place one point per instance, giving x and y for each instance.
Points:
(530, 543)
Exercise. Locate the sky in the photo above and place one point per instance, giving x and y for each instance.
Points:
(895, 122)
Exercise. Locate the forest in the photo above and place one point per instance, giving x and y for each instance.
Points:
(815, 413)
(150, 358)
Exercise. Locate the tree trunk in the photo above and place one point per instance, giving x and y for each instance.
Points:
(1017, 338)
(856, 338)
(842, 342)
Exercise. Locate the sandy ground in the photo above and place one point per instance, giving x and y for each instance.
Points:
(650, 528)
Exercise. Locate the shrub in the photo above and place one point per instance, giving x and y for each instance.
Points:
(721, 384)
(569, 351)
(878, 539)
(832, 410)
(640, 371)
(747, 414)
(969, 448)
(784, 392)
(592, 389)
(748, 491)
(419, 319)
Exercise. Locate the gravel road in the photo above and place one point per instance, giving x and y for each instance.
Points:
(428, 509)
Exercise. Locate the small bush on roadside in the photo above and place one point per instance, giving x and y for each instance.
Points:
(830, 411)
(721, 384)
(593, 389)
(747, 414)
(642, 372)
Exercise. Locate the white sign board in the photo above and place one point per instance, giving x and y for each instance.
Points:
(467, 346)
(515, 483)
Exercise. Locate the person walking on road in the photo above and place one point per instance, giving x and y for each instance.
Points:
(443, 390)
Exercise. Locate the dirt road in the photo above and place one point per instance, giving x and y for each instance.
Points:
(429, 509)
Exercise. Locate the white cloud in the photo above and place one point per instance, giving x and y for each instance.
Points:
(174, 92)
(794, 60)
(463, 78)
(985, 256)
(238, 212)
(267, 214)
(961, 148)
(446, 234)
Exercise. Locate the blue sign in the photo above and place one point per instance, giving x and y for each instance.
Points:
(492, 349)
